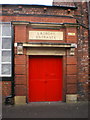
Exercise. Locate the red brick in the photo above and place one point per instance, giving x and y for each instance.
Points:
(20, 90)
(20, 33)
(72, 88)
(71, 38)
(39, 19)
(20, 79)
(71, 79)
(71, 60)
(15, 50)
(20, 69)
(6, 88)
(20, 59)
(71, 69)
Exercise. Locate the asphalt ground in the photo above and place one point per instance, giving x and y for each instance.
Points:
(46, 110)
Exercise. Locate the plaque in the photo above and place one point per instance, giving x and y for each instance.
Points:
(45, 35)
(72, 34)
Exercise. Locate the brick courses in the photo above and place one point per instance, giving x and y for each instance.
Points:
(81, 16)
(75, 67)
(6, 89)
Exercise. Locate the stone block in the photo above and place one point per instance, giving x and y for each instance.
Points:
(20, 100)
(71, 98)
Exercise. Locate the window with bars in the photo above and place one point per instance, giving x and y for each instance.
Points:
(5, 50)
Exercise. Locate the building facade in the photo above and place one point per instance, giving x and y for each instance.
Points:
(44, 51)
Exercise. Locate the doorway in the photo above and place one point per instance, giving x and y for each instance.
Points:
(45, 78)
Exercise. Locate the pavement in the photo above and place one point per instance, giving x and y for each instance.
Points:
(46, 110)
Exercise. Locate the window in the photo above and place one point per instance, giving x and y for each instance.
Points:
(5, 50)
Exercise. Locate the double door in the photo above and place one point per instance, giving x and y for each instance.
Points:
(45, 78)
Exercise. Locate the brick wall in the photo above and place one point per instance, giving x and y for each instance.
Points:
(21, 68)
(89, 47)
(34, 10)
(81, 16)
(71, 63)
(20, 63)
(6, 89)
(76, 67)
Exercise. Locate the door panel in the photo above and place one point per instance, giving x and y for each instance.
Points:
(45, 78)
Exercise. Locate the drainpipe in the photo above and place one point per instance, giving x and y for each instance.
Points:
(13, 93)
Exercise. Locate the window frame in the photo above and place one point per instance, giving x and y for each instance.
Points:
(6, 77)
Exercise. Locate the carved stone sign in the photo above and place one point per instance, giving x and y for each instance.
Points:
(45, 35)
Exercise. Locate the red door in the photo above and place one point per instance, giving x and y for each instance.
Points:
(45, 78)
